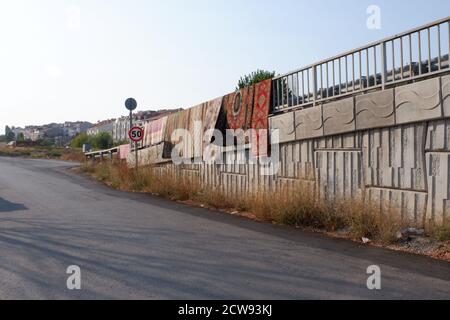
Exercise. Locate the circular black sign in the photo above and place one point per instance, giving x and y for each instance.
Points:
(130, 104)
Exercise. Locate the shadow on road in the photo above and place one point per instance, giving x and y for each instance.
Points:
(6, 206)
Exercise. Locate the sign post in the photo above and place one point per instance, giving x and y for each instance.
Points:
(131, 105)
(136, 134)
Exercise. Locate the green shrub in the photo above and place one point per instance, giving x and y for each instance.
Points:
(79, 140)
(101, 141)
(254, 77)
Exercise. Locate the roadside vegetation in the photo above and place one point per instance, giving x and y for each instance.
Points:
(40, 152)
(299, 208)
(102, 140)
(442, 233)
(254, 77)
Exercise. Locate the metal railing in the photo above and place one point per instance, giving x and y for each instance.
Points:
(101, 154)
(417, 53)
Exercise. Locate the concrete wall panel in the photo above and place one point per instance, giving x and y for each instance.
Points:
(446, 95)
(418, 101)
(439, 186)
(285, 124)
(375, 110)
(339, 117)
(309, 123)
(438, 136)
(411, 205)
(297, 160)
(393, 157)
(342, 141)
(339, 174)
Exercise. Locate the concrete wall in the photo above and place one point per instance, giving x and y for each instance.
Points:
(391, 146)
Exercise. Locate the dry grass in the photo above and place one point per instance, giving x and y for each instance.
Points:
(72, 155)
(118, 175)
(306, 210)
(443, 232)
(43, 153)
(300, 207)
(440, 232)
(15, 152)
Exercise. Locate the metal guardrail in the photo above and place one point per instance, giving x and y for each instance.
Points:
(415, 54)
(110, 153)
(102, 153)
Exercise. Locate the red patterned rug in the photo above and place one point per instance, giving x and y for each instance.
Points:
(260, 121)
(238, 107)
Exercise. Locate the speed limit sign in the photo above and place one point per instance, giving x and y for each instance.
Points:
(136, 134)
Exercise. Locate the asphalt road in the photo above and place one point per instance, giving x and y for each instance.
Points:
(133, 246)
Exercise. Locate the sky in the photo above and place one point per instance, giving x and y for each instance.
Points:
(68, 60)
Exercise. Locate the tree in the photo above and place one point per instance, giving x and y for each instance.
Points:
(79, 140)
(46, 142)
(9, 134)
(103, 140)
(254, 77)
(20, 137)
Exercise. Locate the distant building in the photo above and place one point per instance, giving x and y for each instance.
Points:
(33, 133)
(61, 132)
(120, 129)
(103, 126)
(18, 131)
(71, 129)
(53, 131)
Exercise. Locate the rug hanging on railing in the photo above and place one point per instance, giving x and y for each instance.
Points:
(238, 107)
(211, 117)
(147, 139)
(183, 135)
(196, 131)
(124, 150)
(171, 124)
(154, 131)
(260, 121)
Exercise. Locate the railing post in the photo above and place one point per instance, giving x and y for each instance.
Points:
(273, 105)
(314, 79)
(383, 65)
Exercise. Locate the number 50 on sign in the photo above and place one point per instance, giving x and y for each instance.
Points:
(136, 134)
